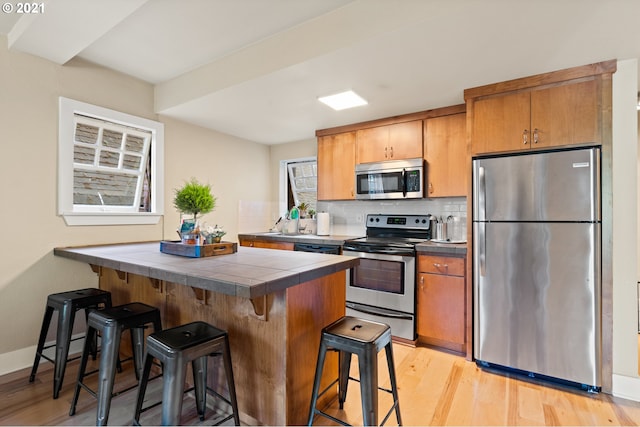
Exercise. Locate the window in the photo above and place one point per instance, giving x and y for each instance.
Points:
(293, 191)
(303, 182)
(110, 166)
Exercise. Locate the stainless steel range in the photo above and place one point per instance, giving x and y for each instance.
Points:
(383, 287)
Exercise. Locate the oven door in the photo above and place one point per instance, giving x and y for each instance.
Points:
(382, 281)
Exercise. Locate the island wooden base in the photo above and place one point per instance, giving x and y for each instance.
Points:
(273, 352)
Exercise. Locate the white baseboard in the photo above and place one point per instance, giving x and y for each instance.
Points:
(23, 358)
(626, 387)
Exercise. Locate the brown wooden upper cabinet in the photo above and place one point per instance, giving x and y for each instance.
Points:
(336, 166)
(389, 142)
(445, 151)
(553, 109)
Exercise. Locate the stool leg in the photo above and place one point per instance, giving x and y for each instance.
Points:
(48, 313)
(172, 389)
(108, 360)
(392, 378)
(94, 342)
(199, 368)
(142, 388)
(231, 384)
(343, 376)
(137, 346)
(368, 362)
(91, 332)
(322, 352)
(63, 339)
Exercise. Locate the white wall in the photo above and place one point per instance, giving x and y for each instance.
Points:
(625, 176)
(279, 152)
(238, 171)
(29, 91)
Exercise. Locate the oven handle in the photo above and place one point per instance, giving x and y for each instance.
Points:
(378, 312)
(379, 250)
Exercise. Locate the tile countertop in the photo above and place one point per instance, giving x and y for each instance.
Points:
(459, 249)
(432, 247)
(248, 273)
(297, 238)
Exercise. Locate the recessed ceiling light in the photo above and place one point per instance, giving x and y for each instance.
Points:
(343, 100)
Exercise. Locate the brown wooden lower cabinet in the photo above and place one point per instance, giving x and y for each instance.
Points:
(274, 339)
(252, 243)
(441, 300)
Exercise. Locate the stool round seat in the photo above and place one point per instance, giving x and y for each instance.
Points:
(351, 335)
(66, 304)
(175, 348)
(111, 323)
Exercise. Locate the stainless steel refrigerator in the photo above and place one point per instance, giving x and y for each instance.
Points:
(536, 262)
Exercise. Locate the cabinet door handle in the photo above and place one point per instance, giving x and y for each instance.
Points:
(386, 156)
(535, 136)
(391, 156)
(430, 187)
(421, 282)
(525, 137)
(437, 265)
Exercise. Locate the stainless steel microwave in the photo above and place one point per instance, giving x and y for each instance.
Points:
(393, 179)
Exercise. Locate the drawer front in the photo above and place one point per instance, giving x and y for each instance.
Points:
(451, 266)
(287, 246)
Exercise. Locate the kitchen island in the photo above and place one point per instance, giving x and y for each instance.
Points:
(272, 303)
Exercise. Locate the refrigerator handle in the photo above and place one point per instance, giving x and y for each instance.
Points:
(482, 247)
(482, 201)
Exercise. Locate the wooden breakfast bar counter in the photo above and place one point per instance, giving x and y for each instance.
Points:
(273, 304)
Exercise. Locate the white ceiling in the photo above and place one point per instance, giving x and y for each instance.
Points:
(254, 68)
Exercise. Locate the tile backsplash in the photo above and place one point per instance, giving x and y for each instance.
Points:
(348, 217)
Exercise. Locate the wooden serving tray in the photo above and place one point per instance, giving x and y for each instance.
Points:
(197, 251)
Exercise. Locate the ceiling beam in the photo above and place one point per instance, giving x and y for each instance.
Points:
(65, 27)
(343, 27)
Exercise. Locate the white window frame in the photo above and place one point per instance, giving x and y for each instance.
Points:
(81, 215)
(284, 180)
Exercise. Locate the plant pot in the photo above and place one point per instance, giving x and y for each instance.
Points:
(212, 239)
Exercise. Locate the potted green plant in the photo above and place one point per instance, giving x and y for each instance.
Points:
(212, 234)
(302, 207)
(193, 199)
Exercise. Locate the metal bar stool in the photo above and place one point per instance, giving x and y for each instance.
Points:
(66, 304)
(110, 323)
(350, 335)
(174, 348)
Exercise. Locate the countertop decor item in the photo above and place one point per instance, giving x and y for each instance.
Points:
(194, 198)
(212, 234)
(197, 251)
(302, 208)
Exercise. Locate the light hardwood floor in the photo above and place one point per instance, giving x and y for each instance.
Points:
(435, 388)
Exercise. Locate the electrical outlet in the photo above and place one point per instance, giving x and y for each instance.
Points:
(359, 218)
